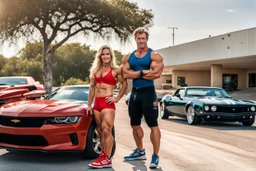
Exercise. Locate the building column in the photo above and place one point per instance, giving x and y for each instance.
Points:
(174, 79)
(216, 75)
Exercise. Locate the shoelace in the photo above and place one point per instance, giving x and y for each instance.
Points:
(100, 158)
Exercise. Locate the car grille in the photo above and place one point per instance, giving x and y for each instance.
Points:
(21, 121)
(24, 140)
(230, 109)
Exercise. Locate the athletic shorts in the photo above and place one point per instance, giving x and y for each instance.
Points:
(143, 102)
(100, 104)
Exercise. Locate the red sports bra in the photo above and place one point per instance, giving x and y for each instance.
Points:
(107, 79)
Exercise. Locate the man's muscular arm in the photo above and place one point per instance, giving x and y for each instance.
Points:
(123, 82)
(128, 73)
(156, 67)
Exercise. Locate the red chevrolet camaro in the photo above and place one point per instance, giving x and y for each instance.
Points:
(18, 81)
(58, 122)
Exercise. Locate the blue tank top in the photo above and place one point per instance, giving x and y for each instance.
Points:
(137, 64)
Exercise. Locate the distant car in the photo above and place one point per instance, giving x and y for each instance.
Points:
(207, 103)
(17, 81)
(56, 123)
(159, 97)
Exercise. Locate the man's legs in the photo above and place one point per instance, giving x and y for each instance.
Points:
(155, 136)
(138, 135)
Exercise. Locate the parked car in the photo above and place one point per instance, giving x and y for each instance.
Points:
(207, 103)
(127, 99)
(56, 123)
(17, 81)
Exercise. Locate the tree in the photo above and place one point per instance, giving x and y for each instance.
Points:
(58, 20)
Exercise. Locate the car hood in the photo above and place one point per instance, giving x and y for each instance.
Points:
(41, 108)
(224, 101)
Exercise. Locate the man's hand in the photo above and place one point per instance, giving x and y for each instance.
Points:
(89, 111)
(111, 100)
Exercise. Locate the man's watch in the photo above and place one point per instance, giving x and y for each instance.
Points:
(141, 73)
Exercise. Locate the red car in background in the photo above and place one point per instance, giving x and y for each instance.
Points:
(11, 81)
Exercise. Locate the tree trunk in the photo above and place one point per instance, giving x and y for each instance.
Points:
(48, 71)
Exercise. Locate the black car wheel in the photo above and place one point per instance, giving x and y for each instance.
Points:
(192, 117)
(163, 111)
(93, 146)
(249, 122)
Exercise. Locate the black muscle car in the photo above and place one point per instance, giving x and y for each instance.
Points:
(207, 103)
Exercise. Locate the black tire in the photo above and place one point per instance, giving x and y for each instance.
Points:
(164, 114)
(93, 148)
(249, 122)
(192, 117)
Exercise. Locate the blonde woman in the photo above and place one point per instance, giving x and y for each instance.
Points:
(104, 76)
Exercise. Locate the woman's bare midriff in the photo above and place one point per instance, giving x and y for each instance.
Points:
(104, 90)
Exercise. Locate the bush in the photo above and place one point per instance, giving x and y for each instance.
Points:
(74, 81)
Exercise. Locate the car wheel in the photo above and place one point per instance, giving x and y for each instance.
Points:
(93, 147)
(192, 117)
(163, 111)
(249, 122)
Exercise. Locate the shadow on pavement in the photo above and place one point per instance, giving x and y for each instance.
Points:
(140, 165)
(214, 124)
(63, 161)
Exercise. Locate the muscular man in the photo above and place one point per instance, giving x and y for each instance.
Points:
(143, 66)
(104, 75)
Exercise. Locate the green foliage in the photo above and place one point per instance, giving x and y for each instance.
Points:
(23, 17)
(55, 21)
(32, 50)
(74, 81)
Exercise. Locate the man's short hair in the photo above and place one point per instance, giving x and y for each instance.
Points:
(141, 30)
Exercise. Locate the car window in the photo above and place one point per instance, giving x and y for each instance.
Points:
(181, 92)
(206, 92)
(70, 93)
(12, 81)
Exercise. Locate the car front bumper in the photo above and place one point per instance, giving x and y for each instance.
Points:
(49, 137)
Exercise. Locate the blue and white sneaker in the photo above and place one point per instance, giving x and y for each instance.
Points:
(154, 161)
(136, 155)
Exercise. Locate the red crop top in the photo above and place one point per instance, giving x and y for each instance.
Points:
(107, 79)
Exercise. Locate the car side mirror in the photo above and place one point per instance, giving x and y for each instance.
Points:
(178, 95)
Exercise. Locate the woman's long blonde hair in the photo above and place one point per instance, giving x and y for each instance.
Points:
(97, 63)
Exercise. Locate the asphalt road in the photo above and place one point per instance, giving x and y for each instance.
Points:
(206, 147)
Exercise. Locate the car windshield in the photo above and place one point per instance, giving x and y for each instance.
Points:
(216, 92)
(70, 94)
(12, 81)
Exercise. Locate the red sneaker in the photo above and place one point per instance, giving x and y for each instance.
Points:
(101, 162)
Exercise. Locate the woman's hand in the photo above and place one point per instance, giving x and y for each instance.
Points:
(89, 111)
(111, 100)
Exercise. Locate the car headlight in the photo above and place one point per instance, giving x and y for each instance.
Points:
(206, 108)
(213, 108)
(253, 108)
(63, 120)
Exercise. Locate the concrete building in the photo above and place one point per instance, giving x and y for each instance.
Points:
(227, 61)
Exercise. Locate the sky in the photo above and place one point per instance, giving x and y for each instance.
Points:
(195, 19)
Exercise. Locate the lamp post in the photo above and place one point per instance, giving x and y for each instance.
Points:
(173, 28)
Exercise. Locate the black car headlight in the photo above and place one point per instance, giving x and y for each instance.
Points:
(253, 108)
(213, 108)
(63, 120)
(206, 108)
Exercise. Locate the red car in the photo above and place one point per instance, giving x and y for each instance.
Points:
(56, 123)
(19, 81)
